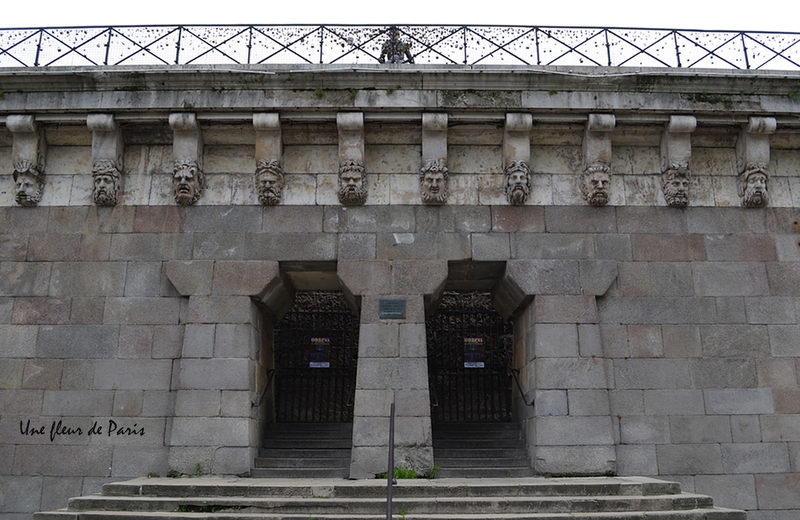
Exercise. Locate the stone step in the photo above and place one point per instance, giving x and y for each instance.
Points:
(477, 434)
(304, 450)
(480, 450)
(314, 487)
(484, 472)
(360, 506)
(487, 425)
(308, 443)
(300, 473)
(341, 453)
(476, 444)
(697, 514)
(328, 426)
(481, 462)
(601, 498)
(308, 434)
(301, 462)
(455, 453)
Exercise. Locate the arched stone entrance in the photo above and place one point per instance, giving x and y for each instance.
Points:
(470, 349)
(316, 352)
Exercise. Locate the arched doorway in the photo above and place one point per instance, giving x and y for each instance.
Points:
(470, 349)
(316, 351)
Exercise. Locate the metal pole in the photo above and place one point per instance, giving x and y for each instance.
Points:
(390, 473)
(178, 47)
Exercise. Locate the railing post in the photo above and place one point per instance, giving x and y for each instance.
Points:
(321, 41)
(390, 472)
(178, 47)
(108, 45)
(744, 51)
(249, 43)
(38, 48)
(464, 30)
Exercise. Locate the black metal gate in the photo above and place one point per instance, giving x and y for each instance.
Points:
(469, 356)
(316, 350)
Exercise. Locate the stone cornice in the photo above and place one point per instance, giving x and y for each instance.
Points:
(399, 88)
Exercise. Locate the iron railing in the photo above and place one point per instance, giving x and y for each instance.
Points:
(166, 45)
(469, 352)
(315, 353)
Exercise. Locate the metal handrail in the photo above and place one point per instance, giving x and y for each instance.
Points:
(471, 45)
(515, 373)
(271, 374)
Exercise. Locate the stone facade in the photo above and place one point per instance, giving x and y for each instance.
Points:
(655, 340)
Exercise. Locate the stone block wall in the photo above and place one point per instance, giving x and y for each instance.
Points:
(685, 367)
(654, 340)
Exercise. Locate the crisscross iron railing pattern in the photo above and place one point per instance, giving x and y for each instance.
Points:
(315, 353)
(361, 44)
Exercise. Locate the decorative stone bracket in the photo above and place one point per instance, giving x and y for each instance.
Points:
(676, 153)
(676, 141)
(28, 153)
(517, 157)
(353, 186)
(752, 159)
(433, 177)
(269, 179)
(187, 148)
(596, 174)
(107, 158)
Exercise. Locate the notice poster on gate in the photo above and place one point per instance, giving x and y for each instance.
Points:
(320, 354)
(473, 353)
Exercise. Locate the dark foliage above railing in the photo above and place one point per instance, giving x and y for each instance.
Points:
(427, 44)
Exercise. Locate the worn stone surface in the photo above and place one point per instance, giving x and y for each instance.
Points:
(656, 340)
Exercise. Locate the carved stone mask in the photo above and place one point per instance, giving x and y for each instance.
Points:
(188, 182)
(752, 185)
(352, 186)
(269, 182)
(595, 185)
(433, 180)
(675, 185)
(106, 181)
(517, 182)
(28, 184)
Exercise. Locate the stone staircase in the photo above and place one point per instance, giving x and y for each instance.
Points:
(305, 450)
(480, 450)
(602, 498)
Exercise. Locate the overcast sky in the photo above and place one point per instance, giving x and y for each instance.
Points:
(763, 15)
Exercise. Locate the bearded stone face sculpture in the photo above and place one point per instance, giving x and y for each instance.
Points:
(188, 182)
(106, 183)
(675, 185)
(433, 180)
(352, 183)
(517, 181)
(595, 184)
(752, 184)
(28, 184)
(269, 182)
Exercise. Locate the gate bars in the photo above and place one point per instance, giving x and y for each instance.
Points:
(517, 45)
